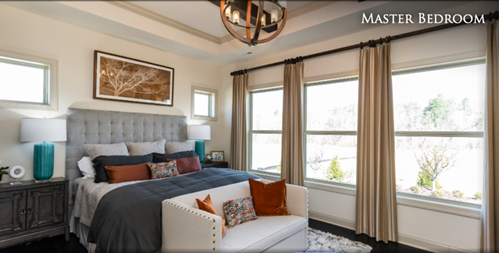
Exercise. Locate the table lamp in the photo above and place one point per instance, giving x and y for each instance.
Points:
(199, 133)
(43, 130)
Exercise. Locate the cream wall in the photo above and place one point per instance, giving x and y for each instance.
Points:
(73, 47)
(437, 231)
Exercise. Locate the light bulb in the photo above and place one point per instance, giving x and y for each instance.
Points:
(273, 16)
(235, 17)
(227, 12)
(263, 20)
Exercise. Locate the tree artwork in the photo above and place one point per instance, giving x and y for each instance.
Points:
(132, 81)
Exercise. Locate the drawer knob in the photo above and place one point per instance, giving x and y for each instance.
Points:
(23, 212)
(30, 210)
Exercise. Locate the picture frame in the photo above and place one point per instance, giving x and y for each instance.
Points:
(124, 79)
(217, 156)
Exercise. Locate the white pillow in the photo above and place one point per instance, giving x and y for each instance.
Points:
(86, 168)
(174, 147)
(95, 150)
(145, 148)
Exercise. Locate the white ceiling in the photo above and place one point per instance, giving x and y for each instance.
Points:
(194, 28)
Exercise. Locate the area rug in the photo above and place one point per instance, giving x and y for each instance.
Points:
(322, 241)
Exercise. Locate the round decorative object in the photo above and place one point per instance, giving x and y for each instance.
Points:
(17, 172)
(270, 16)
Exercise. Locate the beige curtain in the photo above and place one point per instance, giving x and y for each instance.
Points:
(238, 130)
(376, 201)
(490, 205)
(292, 128)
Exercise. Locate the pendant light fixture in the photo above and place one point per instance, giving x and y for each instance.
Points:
(272, 10)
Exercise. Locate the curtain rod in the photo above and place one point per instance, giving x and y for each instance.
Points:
(489, 16)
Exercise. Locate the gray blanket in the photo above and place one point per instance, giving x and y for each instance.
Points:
(128, 219)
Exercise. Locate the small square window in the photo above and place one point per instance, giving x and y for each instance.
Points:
(27, 82)
(204, 103)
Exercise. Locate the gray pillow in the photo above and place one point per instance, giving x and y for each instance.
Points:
(174, 147)
(95, 150)
(145, 148)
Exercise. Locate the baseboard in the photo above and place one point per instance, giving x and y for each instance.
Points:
(403, 238)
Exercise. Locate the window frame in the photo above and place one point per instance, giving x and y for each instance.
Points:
(212, 103)
(251, 132)
(408, 198)
(320, 183)
(50, 89)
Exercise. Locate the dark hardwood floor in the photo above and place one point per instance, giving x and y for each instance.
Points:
(57, 244)
(378, 247)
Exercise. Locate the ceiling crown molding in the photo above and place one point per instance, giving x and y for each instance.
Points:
(164, 20)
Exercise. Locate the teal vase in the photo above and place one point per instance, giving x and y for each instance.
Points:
(43, 161)
(199, 149)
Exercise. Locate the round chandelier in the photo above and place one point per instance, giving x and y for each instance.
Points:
(266, 15)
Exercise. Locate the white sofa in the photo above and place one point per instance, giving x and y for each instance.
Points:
(189, 229)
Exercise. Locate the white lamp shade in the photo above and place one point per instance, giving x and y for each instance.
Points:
(199, 132)
(43, 130)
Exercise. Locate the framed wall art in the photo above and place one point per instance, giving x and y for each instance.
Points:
(130, 80)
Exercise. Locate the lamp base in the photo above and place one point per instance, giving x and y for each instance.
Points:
(43, 181)
(199, 149)
(43, 161)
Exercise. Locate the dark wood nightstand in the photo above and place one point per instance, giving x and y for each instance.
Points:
(215, 165)
(32, 211)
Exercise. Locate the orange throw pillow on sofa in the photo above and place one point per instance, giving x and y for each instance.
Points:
(187, 165)
(120, 174)
(207, 205)
(269, 199)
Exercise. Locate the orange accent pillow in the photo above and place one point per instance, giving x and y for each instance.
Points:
(207, 205)
(120, 174)
(187, 165)
(269, 199)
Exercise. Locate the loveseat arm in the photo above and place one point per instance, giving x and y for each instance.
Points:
(297, 200)
(188, 229)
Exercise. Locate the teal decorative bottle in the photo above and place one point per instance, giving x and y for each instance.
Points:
(199, 149)
(43, 161)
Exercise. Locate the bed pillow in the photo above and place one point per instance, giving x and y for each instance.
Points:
(144, 148)
(207, 206)
(95, 150)
(120, 174)
(269, 199)
(86, 168)
(175, 147)
(102, 161)
(239, 211)
(161, 158)
(162, 170)
(187, 165)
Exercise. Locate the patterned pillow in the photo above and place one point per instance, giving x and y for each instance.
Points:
(239, 211)
(162, 170)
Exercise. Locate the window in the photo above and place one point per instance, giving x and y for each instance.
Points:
(27, 82)
(266, 131)
(331, 130)
(204, 103)
(439, 124)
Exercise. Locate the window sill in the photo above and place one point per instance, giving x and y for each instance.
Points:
(204, 118)
(469, 210)
(27, 106)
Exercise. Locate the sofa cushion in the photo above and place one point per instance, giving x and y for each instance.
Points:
(239, 211)
(260, 234)
(270, 198)
(207, 206)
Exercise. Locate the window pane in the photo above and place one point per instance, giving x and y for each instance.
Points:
(440, 100)
(332, 106)
(201, 104)
(332, 157)
(21, 83)
(267, 110)
(454, 164)
(266, 152)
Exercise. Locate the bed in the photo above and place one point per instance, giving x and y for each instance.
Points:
(97, 206)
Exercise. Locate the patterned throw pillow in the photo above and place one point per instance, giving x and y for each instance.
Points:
(162, 170)
(239, 211)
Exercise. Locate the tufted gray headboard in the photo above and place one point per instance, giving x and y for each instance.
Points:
(105, 127)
